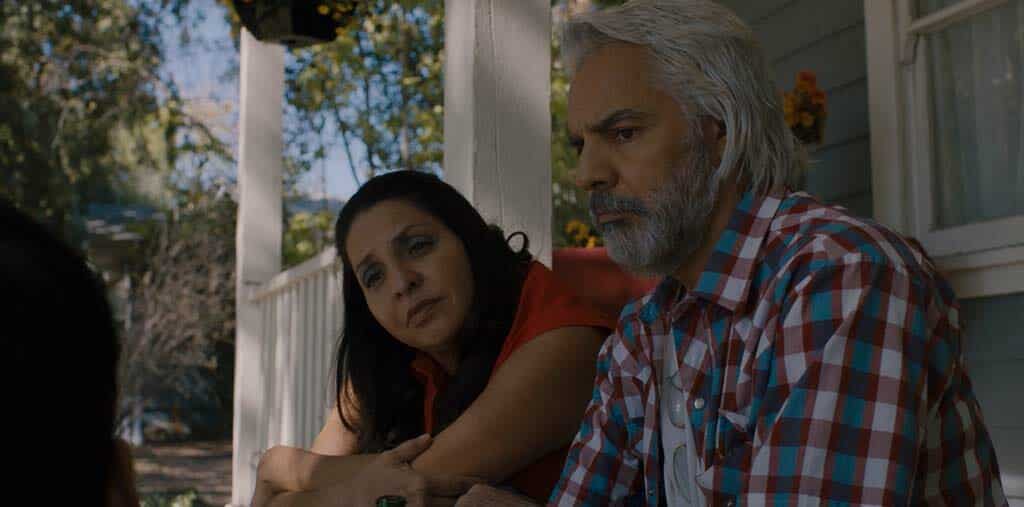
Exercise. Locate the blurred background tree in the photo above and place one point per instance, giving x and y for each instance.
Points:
(180, 345)
(85, 114)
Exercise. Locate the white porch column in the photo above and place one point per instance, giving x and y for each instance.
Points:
(258, 243)
(497, 116)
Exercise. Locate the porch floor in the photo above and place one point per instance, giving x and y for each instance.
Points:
(173, 468)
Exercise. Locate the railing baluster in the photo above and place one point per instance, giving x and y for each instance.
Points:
(301, 317)
(316, 400)
(308, 338)
(291, 386)
(299, 363)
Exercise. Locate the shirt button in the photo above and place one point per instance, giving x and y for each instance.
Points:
(730, 503)
(698, 403)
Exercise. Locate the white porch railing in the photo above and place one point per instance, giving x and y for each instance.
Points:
(301, 312)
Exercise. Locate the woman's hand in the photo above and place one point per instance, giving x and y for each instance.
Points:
(391, 474)
(289, 476)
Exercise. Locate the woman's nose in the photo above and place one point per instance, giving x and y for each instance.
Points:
(407, 281)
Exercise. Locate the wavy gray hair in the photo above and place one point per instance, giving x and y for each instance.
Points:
(707, 59)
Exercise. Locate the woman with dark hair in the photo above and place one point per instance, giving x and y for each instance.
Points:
(451, 334)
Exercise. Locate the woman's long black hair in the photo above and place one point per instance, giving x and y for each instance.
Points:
(375, 366)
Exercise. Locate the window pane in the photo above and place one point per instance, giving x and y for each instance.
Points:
(978, 134)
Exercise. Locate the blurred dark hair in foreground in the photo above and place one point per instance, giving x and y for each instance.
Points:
(61, 353)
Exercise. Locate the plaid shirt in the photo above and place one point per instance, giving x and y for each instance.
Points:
(823, 356)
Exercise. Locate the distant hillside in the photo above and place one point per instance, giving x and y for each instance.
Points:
(306, 204)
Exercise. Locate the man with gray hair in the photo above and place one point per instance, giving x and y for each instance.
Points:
(792, 354)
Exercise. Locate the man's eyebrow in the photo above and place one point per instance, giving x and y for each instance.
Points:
(398, 237)
(616, 116)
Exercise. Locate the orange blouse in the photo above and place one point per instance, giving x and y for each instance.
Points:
(545, 303)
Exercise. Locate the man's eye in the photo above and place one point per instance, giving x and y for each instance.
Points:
(624, 135)
(577, 145)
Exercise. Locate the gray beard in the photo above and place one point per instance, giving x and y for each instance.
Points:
(673, 227)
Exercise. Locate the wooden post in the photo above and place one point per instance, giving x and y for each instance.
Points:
(886, 118)
(497, 116)
(258, 243)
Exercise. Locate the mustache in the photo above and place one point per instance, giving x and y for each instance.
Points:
(603, 202)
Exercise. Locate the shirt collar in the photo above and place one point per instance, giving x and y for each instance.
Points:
(726, 278)
(428, 371)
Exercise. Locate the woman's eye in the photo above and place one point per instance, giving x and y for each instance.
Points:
(419, 247)
(625, 134)
(370, 279)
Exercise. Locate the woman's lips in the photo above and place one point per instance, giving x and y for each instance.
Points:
(420, 312)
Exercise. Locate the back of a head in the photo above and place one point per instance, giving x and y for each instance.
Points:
(60, 372)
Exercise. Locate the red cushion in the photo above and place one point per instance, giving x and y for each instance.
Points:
(598, 279)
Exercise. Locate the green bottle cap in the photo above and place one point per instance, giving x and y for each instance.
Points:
(391, 501)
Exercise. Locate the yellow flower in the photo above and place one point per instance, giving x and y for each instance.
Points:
(791, 118)
(818, 98)
(806, 119)
(592, 242)
(574, 226)
(788, 104)
(323, 9)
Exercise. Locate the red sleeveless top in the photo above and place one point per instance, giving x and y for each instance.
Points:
(545, 303)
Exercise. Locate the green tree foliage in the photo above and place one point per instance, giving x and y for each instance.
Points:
(305, 235)
(375, 91)
(85, 115)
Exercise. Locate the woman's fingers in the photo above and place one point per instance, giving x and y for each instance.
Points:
(408, 450)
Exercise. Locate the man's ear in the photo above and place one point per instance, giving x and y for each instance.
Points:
(713, 131)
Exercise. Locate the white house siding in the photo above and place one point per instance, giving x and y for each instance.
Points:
(827, 37)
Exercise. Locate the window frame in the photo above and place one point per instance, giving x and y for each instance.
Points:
(983, 258)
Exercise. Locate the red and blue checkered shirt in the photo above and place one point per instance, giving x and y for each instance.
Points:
(825, 352)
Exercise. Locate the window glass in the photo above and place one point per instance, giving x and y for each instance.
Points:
(978, 131)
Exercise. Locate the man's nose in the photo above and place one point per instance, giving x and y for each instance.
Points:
(595, 170)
